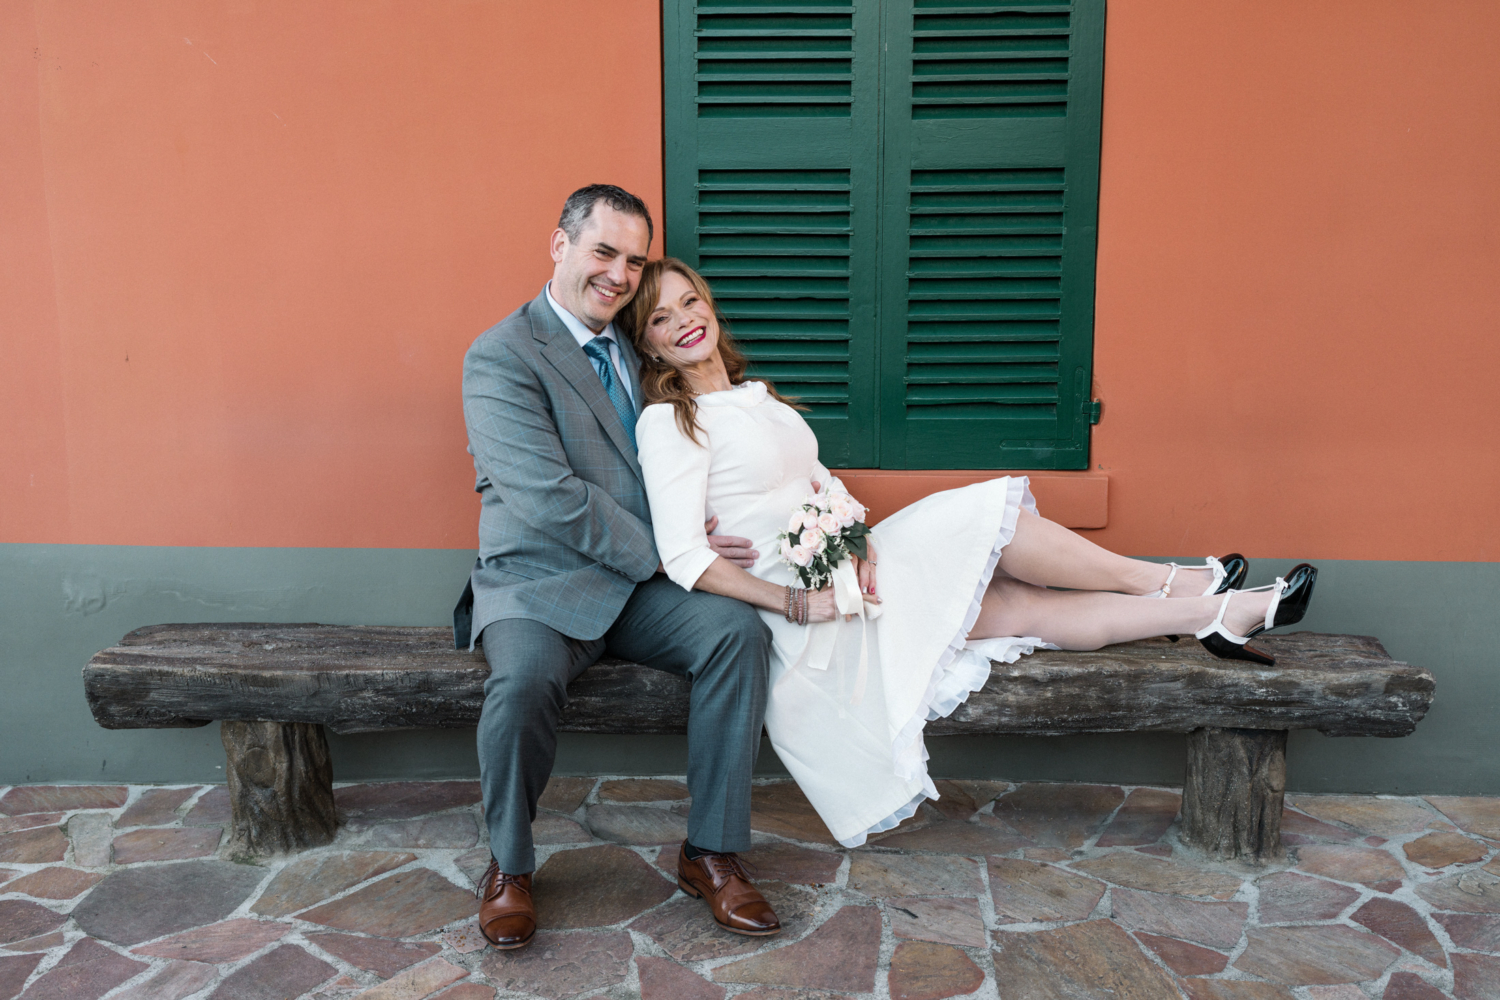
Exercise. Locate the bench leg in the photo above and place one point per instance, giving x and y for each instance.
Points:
(280, 787)
(1232, 795)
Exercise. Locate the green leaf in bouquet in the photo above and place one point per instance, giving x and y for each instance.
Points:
(859, 546)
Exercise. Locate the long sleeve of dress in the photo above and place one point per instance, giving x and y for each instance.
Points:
(676, 474)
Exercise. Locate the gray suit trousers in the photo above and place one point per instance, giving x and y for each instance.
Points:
(720, 644)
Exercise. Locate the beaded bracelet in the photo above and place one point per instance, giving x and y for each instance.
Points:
(794, 605)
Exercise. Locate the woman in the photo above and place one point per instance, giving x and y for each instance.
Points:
(952, 581)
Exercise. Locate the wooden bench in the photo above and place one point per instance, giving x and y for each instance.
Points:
(275, 688)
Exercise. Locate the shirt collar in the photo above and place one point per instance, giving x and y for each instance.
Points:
(575, 326)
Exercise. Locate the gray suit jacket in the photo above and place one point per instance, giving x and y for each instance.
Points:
(564, 529)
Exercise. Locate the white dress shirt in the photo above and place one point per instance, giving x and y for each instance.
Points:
(583, 335)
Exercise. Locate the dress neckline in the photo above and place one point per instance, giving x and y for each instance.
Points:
(751, 393)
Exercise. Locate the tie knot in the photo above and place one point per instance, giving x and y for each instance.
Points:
(598, 348)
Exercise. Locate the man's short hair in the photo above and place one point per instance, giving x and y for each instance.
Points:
(580, 205)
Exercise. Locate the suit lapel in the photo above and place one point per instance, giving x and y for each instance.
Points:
(559, 347)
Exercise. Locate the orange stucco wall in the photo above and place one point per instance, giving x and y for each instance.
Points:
(1298, 325)
(250, 241)
(244, 244)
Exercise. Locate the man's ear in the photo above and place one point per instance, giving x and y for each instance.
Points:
(559, 244)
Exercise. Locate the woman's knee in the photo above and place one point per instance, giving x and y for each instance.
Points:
(1011, 606)
(1012, 592)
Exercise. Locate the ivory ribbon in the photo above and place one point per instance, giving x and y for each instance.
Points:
(820, 644)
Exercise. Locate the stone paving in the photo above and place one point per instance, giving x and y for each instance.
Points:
(1034, 891)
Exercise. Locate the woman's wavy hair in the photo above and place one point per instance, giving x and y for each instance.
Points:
(660, 382)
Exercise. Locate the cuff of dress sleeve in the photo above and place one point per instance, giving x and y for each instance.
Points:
(684, 570)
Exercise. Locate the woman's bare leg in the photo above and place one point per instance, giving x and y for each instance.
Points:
(1087, 620)
(1048, 555)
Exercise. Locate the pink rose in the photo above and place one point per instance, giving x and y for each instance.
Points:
(829, 523)
(786, 548)
(810, 519)
(795, 524)
(801, 556)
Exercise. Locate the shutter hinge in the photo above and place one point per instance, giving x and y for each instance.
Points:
(1094, 408)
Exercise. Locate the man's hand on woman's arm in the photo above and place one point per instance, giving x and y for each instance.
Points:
(737, 550)
(732, 547)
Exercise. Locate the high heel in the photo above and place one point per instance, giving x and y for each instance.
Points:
(1229, 573)
(1290, 597)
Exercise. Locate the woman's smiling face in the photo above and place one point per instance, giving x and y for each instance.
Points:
(681, 330)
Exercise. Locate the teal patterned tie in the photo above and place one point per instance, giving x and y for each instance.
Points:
(598, 352)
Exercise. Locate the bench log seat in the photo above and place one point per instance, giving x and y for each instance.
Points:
(275, 688)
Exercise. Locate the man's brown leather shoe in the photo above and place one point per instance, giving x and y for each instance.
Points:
(507, 917)
(735, 902)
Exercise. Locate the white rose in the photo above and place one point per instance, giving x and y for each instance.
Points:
(829, 523)
(786, 548)
(810, 519)
(815, 540)
(801, 556)
(795, 524)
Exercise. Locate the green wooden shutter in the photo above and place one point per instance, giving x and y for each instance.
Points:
(990, 166)
(772, 181)
(896, 205)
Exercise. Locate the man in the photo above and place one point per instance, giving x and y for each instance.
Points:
(568, 570)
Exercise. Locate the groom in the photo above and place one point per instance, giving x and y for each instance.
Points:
(568, 571)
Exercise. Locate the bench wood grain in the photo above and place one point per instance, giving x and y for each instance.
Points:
(355, 679)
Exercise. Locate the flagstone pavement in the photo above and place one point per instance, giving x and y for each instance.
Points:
(1035, 891)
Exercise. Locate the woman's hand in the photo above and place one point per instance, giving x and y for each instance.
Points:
(821, 606)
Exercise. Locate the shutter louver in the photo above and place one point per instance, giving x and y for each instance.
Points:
(990, 60)
(983, 298)
(762, 142)
(775, 246)
(895, 203)
(786, 60)
(990, 169)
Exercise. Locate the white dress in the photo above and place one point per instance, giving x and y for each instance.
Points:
(855, 749)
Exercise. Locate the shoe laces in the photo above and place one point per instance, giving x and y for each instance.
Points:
(726, 865)
(497, 880)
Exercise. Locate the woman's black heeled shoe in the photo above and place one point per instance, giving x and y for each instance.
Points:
(1289, 600)
(1229, 573)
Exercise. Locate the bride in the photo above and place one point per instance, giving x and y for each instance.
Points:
(951, 582)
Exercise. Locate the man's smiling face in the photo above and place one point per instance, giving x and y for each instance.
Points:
(597, 274)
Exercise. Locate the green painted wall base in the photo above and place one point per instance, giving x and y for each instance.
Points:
(61, 603)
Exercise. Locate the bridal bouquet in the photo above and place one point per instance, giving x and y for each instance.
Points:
(823, 531)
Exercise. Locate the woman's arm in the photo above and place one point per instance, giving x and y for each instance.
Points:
(728, 580)
(676, 474)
